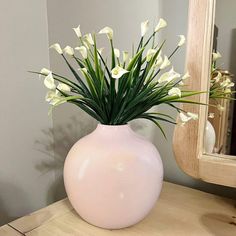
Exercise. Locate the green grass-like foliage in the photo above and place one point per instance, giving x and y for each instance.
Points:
(221, 85)
(113, 101)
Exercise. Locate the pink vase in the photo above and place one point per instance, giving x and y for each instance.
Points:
(113, 177)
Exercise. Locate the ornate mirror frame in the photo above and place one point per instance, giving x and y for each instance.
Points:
(188, 139)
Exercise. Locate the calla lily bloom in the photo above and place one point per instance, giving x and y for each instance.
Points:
(117, 72)
(169, 76)
(158, 62)
(108, 31)
(144, 27)
(211, 115)
(45, 71)
(49, 82)
(125, 56)
(84, 70)
(57, 47)
(117, 52)
(182, 40)
(184, 118)
(150, 53)
(228, 90)
(216, 56)
(193, 116)
(186, 76)
(77, 31)
(50, 95)
(161, 24)
(165, 63)
(83, 51)
(63, 87)
(54, 98)
(174, 91)
(89, 39)
(69, 50)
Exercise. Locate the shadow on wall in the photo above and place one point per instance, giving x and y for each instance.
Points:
(56, 144)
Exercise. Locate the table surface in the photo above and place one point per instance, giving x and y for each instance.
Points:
(179, 211)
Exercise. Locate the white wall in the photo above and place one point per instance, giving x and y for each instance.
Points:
(24, 124)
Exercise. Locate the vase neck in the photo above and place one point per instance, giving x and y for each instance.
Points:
(113, 130)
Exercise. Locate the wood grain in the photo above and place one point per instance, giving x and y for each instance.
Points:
(180, 211)
(34, 220)
(188, 140)
(6, 230)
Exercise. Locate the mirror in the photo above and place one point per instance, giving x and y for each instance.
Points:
(220, 133)
(211, 28)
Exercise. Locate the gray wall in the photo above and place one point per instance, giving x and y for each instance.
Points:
(24, 124)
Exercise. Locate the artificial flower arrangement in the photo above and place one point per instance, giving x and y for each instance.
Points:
(220, 84)
(113, 159)
(125, 89)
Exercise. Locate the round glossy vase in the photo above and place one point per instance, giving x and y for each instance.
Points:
(210, 138)
(113, 177)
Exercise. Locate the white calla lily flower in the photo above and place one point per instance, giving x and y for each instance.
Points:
(49, 82)
(144, 27)
(211, 115)
(169, 76)
(45, 71)
(161, 24)
(158, 62)
(89, 39)
(193, 116)
(69, 50)
(174, 92)
(117, 72)
(184, 118)
(63, 87)
(228, 90)
(117, 52)
(83, 51)
(125, 56)
(77, 31)
(216, 56)
(181, 41)
(57, 101)
(150, 53)
(83, 70)
(57, 47)
(231, 84)
(165, 63)
(108, 31)
(186, 76)
(50, 95)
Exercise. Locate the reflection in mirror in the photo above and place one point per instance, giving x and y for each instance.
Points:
(220, 133)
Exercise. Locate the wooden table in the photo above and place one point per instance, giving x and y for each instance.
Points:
(180, 211)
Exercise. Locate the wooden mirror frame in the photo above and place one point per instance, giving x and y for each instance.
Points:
(188, 139)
